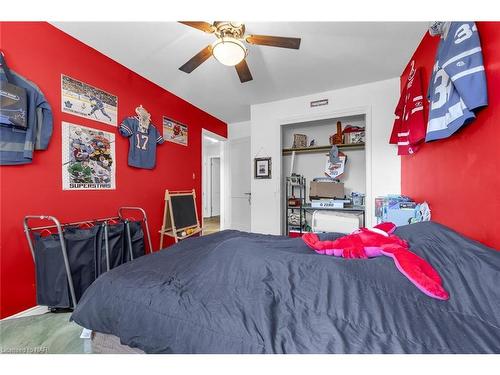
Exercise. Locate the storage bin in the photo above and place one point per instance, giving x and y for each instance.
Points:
(333, 221)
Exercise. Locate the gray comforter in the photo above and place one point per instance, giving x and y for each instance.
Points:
(235, 292)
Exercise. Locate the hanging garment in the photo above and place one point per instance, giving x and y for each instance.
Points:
(458, 82)
(409, 126)
(143, 141)
(51, 281)
(17, 145)
(13, 101)
(136, 242)
(116, 245)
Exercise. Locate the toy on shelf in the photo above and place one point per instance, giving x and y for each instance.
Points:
(353, 134)
(336, 139)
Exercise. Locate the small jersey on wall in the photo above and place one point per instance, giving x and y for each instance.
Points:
(83, 100)
(88, 158)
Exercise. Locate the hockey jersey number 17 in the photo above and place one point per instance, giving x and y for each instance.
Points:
(458, 82)
(409, 126)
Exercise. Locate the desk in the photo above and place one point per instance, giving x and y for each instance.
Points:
(307, 207)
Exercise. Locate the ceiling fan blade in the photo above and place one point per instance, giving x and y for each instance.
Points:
(200, 25)
(274, 41)
(197, 59)
(243, 71)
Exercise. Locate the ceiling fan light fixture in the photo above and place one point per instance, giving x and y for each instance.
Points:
(229, 51)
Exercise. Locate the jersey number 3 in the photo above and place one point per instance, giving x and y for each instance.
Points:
(442, 90)
(142, 141)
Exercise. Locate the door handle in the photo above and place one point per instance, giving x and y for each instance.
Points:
(249, 197)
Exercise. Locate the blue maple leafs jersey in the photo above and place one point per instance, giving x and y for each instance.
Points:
(458, 82)
(17, 146)
(142, 149)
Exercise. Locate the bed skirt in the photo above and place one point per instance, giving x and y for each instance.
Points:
(103, 343)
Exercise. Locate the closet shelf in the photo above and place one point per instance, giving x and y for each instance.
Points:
(303, 150)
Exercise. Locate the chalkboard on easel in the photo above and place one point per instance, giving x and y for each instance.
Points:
(180, 218)
(184, 211)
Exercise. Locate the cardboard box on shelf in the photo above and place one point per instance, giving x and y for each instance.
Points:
(320, 189)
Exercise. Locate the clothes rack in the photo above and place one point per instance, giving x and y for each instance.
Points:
(60, 233)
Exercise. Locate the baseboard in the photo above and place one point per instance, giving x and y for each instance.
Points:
(35, 310)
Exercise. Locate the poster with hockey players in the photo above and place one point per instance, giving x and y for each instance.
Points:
(174, 131)
(88, 158)
(80, 99)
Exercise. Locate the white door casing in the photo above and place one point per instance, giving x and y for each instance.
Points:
(215, 183)
(239, 175)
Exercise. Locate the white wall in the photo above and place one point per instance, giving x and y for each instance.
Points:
(237, 130)
(377, 100)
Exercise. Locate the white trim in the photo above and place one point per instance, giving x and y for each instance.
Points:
(417, 98)
(440, 123)
(405, 134)
(417, 109)
(467, 72)
(461, 55)
(35, 310)
(223, 176)
(403, 143)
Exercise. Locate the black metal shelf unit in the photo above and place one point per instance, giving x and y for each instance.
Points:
(295, 189)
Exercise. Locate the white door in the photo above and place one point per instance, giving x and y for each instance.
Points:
(239, 174)
(215, 186)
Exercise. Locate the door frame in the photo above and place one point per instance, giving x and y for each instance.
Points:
(223, 175)
(212, 185)
(354, 111)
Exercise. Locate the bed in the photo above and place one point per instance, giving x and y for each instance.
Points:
(237, 292)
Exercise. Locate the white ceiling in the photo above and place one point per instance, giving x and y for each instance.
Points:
(332, 55)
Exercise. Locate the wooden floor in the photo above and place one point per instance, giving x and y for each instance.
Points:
(211, 225)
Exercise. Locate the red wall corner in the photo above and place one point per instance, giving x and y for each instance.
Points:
(459, 176)
(41, 53)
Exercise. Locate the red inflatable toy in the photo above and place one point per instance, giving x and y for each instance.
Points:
(379, 241)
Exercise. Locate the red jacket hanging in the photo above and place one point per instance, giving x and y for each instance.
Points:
(409, 126)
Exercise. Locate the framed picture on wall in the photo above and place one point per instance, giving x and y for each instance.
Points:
(262, 167)
(88, 158)
(81, 99)
(174, 131)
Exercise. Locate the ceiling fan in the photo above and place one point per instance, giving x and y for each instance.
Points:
(229, 47)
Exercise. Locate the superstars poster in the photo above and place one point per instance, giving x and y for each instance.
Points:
(88, 158)
(174, 131)
(81, 99)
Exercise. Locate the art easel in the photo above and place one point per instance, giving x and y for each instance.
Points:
(180, 218)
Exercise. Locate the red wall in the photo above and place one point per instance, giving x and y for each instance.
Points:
(460, 176)
(40, 52)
